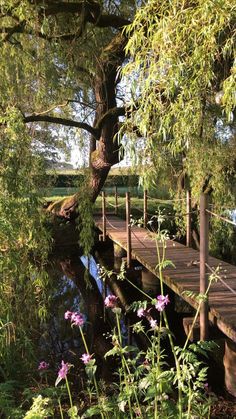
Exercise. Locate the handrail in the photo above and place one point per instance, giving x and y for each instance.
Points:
(204, 238)
(221, 217)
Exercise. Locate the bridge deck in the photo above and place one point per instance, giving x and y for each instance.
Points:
(185, 275)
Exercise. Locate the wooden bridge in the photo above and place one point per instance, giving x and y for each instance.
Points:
(191, 266)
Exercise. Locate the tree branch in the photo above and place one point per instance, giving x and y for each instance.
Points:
(91, 10)
(62, 121)
(21, 28)
(113, 112)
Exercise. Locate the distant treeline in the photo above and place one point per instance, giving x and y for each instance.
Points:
(74, 180)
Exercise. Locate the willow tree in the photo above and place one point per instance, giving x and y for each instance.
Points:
(60, 66)
(182, 69)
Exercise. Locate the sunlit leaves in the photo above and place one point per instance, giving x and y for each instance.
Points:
(182, 55)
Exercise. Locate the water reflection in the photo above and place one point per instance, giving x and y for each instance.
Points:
(91, 265)
(77, 290)
(78, 287)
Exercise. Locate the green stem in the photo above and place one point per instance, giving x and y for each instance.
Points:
(69, 392)
(137, 288)
(196, 316)
(178, 369)
(83, 339)
(177, 364)
(94, 378)
(60, 408)
(189, 403)
(123, 363)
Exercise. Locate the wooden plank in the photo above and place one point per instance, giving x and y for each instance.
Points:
(185, 275)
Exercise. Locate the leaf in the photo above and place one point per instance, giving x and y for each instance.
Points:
(112, 352)
(94, 410)
(73, 412)
(144, 383)
(129, 348)
(122, 405)
(90, 370)
(167, 263)
(58, 380)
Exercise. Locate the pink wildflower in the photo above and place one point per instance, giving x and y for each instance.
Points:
(77, 319)
(43, 365)
(153, 323)
(68, 315)
(62, 373)
(141, 312)
(162, 301)
(110, 301)
(86, 358)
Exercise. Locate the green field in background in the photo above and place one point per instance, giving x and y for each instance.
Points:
(121, 190)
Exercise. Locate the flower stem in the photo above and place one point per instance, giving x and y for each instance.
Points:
(69, 392)
(177, 364)
(83, 339)
(124, 364)
(94, 378)
(60, 408)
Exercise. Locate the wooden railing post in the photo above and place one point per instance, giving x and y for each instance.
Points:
(204, 239)
(188, 218)
(116, 201)
(103, 216)
(145, 208)
(128, 229)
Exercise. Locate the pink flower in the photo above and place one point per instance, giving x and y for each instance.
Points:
(153, 324)
(63, 371)
(110, 301)
(43, 365)
(86, 358)
(141, 312)
(77, 319)
(162, 301)
(68, 315)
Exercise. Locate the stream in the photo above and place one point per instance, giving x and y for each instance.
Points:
(78, 287)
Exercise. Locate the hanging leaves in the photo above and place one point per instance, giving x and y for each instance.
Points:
(182, 60)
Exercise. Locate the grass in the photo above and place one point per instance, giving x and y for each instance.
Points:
(154, 207)
(52, 194)
(154, 204)
(115, 171)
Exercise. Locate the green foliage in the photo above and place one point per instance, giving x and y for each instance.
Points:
(182, 71)
(8, 405)
(40, 409)
(24, 245)
(148, 386)
(85, 221)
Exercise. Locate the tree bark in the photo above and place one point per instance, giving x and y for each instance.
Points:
(106, 153)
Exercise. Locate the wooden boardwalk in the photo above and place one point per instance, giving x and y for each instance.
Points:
(185, 275)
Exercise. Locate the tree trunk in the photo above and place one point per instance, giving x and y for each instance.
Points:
(106, 153)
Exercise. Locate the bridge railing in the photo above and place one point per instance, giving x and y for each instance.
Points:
(204, 212)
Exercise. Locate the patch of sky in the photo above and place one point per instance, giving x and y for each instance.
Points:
(90, 264)
(233, 215)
